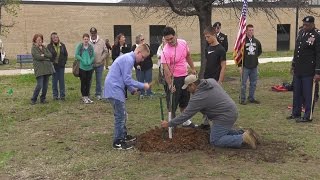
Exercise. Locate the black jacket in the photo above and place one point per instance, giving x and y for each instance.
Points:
(223, 40)
(116, 51)
(306, 59)
(252, 50)
(63, 54)
(147, 63)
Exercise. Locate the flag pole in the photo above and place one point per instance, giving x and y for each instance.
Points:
(241, 78)
(238, 54)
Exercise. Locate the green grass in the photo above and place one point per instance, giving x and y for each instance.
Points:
(5, 157)
(70, 140)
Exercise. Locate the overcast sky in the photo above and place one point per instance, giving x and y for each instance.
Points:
(88, 1)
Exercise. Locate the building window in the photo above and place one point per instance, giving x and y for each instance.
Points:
(283, 37)
(155, 37)
(124, 29)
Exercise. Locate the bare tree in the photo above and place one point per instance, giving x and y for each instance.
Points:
(202, 9)
(8, 8)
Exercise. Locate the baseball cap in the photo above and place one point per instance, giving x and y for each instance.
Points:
(93, 30)
(189, 80)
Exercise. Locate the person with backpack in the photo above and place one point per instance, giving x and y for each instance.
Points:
(85, 55)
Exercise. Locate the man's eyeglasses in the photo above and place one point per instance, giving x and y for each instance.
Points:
(141, 39)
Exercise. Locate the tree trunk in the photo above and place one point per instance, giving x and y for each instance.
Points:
(204, 21)
(0, 19)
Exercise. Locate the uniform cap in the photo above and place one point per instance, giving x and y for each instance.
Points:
(309, 19)
(189, 80)
(93, 30)
(216, 24)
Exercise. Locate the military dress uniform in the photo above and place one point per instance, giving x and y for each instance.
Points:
(305, 64)
(222, 38)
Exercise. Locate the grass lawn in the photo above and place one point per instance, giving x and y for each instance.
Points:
(70, 140)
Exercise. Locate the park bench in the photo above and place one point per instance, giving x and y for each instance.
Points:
(24, 58)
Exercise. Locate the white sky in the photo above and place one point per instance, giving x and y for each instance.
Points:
(87, 1)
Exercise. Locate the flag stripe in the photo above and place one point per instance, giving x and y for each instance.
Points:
(240, 41)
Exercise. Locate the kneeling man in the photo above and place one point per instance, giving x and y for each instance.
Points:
(209, 98)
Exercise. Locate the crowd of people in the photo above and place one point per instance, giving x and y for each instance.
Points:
(179, 78)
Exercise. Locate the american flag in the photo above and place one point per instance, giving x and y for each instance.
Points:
(240, 41)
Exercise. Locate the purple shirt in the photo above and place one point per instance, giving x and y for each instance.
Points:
(119, 76)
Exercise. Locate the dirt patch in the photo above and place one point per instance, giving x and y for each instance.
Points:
(186, 140)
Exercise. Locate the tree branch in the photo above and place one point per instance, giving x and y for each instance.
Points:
(181, 12)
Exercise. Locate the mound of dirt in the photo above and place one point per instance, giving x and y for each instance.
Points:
(186, 140)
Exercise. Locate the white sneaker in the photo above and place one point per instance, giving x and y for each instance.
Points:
(89, 100)
(98, 97)
(85, 100)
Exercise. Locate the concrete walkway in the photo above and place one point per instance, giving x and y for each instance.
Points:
(155, 66)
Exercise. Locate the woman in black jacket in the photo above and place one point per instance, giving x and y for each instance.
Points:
(59, 60)
(120, 47)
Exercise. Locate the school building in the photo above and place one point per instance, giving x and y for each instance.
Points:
(71, 20)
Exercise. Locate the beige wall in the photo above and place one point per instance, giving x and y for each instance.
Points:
(71, 21)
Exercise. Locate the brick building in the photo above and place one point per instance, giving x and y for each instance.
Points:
(71, 20)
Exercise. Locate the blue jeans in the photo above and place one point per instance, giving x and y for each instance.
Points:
(120, 119)
(221, 136)
(98, 71)
(42, 84)
(302, 94)
(58, 77)
(252, 74)
(144, 77)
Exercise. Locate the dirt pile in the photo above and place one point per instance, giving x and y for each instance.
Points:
(186, 140)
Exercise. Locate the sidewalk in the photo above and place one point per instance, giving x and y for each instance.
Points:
(155, 66)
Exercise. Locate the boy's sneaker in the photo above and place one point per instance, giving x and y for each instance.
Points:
(98, 97)
(130, 138)
(122, 146)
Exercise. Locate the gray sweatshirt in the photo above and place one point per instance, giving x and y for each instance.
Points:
(210, 99)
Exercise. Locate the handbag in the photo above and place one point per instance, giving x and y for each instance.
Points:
(75, 68)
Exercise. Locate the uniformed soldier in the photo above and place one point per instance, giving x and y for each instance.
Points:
(305, 68)
(222, 38)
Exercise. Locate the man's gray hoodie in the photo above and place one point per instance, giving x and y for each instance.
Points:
(210, 99)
